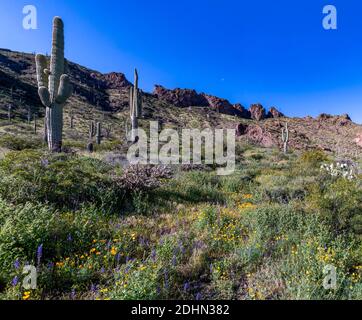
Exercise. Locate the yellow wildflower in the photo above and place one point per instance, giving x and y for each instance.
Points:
(113, 251)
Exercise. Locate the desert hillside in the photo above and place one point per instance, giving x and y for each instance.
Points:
(94, 228)
(104, 97)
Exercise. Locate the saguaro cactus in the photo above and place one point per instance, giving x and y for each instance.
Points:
(54, 86)
(10, 108)
(99, 133)
(92, 130)
(35, 123)
(29, 114)
(71, 120)
(135, 102)
(285, 138)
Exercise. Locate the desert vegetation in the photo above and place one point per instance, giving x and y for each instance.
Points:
(96, 230)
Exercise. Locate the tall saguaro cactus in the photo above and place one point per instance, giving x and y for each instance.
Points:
(135, 103)
(285, 138)
(99, 133)
(54, 86)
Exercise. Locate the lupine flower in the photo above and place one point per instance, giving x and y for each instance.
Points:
(118, 258)
(39, 253)
(174, 260)
(15, 281)
(187, 286)
(166, 280)
(153, 255)
(94, 288)
(17, 264)
(198, 296)
(142, 241)
(69, 238)
(72, 294)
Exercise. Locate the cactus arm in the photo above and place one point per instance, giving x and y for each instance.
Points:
(41, 70)
(44, 96)
(65, 89)
(42, 78)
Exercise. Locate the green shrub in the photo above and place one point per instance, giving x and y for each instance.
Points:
(340, 205)
(282, 188)
(313, 159)
(65, 181)
(23, 228)
(17, 143)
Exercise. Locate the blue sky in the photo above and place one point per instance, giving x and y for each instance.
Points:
(273, 52)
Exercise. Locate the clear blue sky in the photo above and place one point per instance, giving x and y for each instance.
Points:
(272, 52)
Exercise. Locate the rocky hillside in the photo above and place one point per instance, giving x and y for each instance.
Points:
(105, 97)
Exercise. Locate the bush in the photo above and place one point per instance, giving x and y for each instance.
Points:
(17, 143)
(65, 181)
(25, 227)
(141, 178)
(283, 189)
(313, 159)
(340, 205)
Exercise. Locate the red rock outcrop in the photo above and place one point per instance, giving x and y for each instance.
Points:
(187, 97)
(115, 80)
(340, 121)
(259, 135)
(257, 112)
(180, 97)
(241, 111)
(274, 113)
(219, 105)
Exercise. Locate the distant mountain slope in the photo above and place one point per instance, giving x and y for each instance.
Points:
(105, 97)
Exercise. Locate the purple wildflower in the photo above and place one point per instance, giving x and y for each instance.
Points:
(69, 238)
(174, 260)
(17, 264)
(187, 286)
(15, 281)
(198, 296)
(118, 258)
(94, 288)
(153, 255)
(39, 253)
(166, 279)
